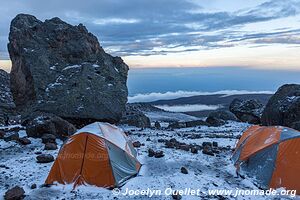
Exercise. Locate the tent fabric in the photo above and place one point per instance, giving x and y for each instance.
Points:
(93, 157)
(271, 155)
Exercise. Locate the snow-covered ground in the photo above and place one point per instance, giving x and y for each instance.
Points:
(205, 172)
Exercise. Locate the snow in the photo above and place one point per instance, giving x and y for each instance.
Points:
(71, 67)
(204, 172)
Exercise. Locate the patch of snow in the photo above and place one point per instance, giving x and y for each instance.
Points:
(71, 67)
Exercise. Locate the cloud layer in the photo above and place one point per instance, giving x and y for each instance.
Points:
(154, 96)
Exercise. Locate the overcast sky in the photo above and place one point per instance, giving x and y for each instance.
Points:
(168, 33)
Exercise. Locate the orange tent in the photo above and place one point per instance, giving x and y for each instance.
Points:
(271, 155)
(99, 154)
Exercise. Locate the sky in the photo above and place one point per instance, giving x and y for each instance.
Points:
(177, 33)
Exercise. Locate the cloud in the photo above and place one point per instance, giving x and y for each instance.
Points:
(173, 95)
(188, 108)
(142, 27)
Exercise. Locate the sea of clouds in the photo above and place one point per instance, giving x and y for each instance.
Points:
(154, 96)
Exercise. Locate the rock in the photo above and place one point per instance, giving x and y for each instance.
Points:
(208, 150)
(247, 111)
(33, 186)
(157, 125)
(62, 69)
(184, 147)
(2, 134)
(11, 136)
(50, 146)
(151, 152)
(44, 158)
(215, 144)
(194, 150)
(206, 143)
(212, 121)
(15, 193)
(134, 117)
(24, 141)
(159, 154)
(184, 170)
(176, 196)
(175, 125)
(283, 108)
(48, 138)
(44, 123)
(137, 144)
(223, 114)
(196, 123)
(170, 144)
(7, 105)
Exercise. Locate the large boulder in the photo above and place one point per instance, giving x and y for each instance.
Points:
(247, 111)
(62, 69)
(133, 116)
(42, 124)
(283, 107)
(6, 101)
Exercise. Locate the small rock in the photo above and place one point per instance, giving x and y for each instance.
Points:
(185, 147)
(169, 144)
(184, 170)
(137, 144)
(2, 134)
(206, 143)
(13, 136)
(48, 138)
(157, 125)
(194, 150)
(50, 146)
(44, 158)
(176, 196)
(161, 140)
(24, 141)
(159, 154)
(215, 144)
(14, 193)
(151, 152)
(208, 150)
(33, 186)
(148, 139)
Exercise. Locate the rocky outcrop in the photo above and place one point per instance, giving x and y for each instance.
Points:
(213, 121)
(6, 101)
(247, 111)
(283, 107)
(223, 114)
(134, 117)
(62, 69)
